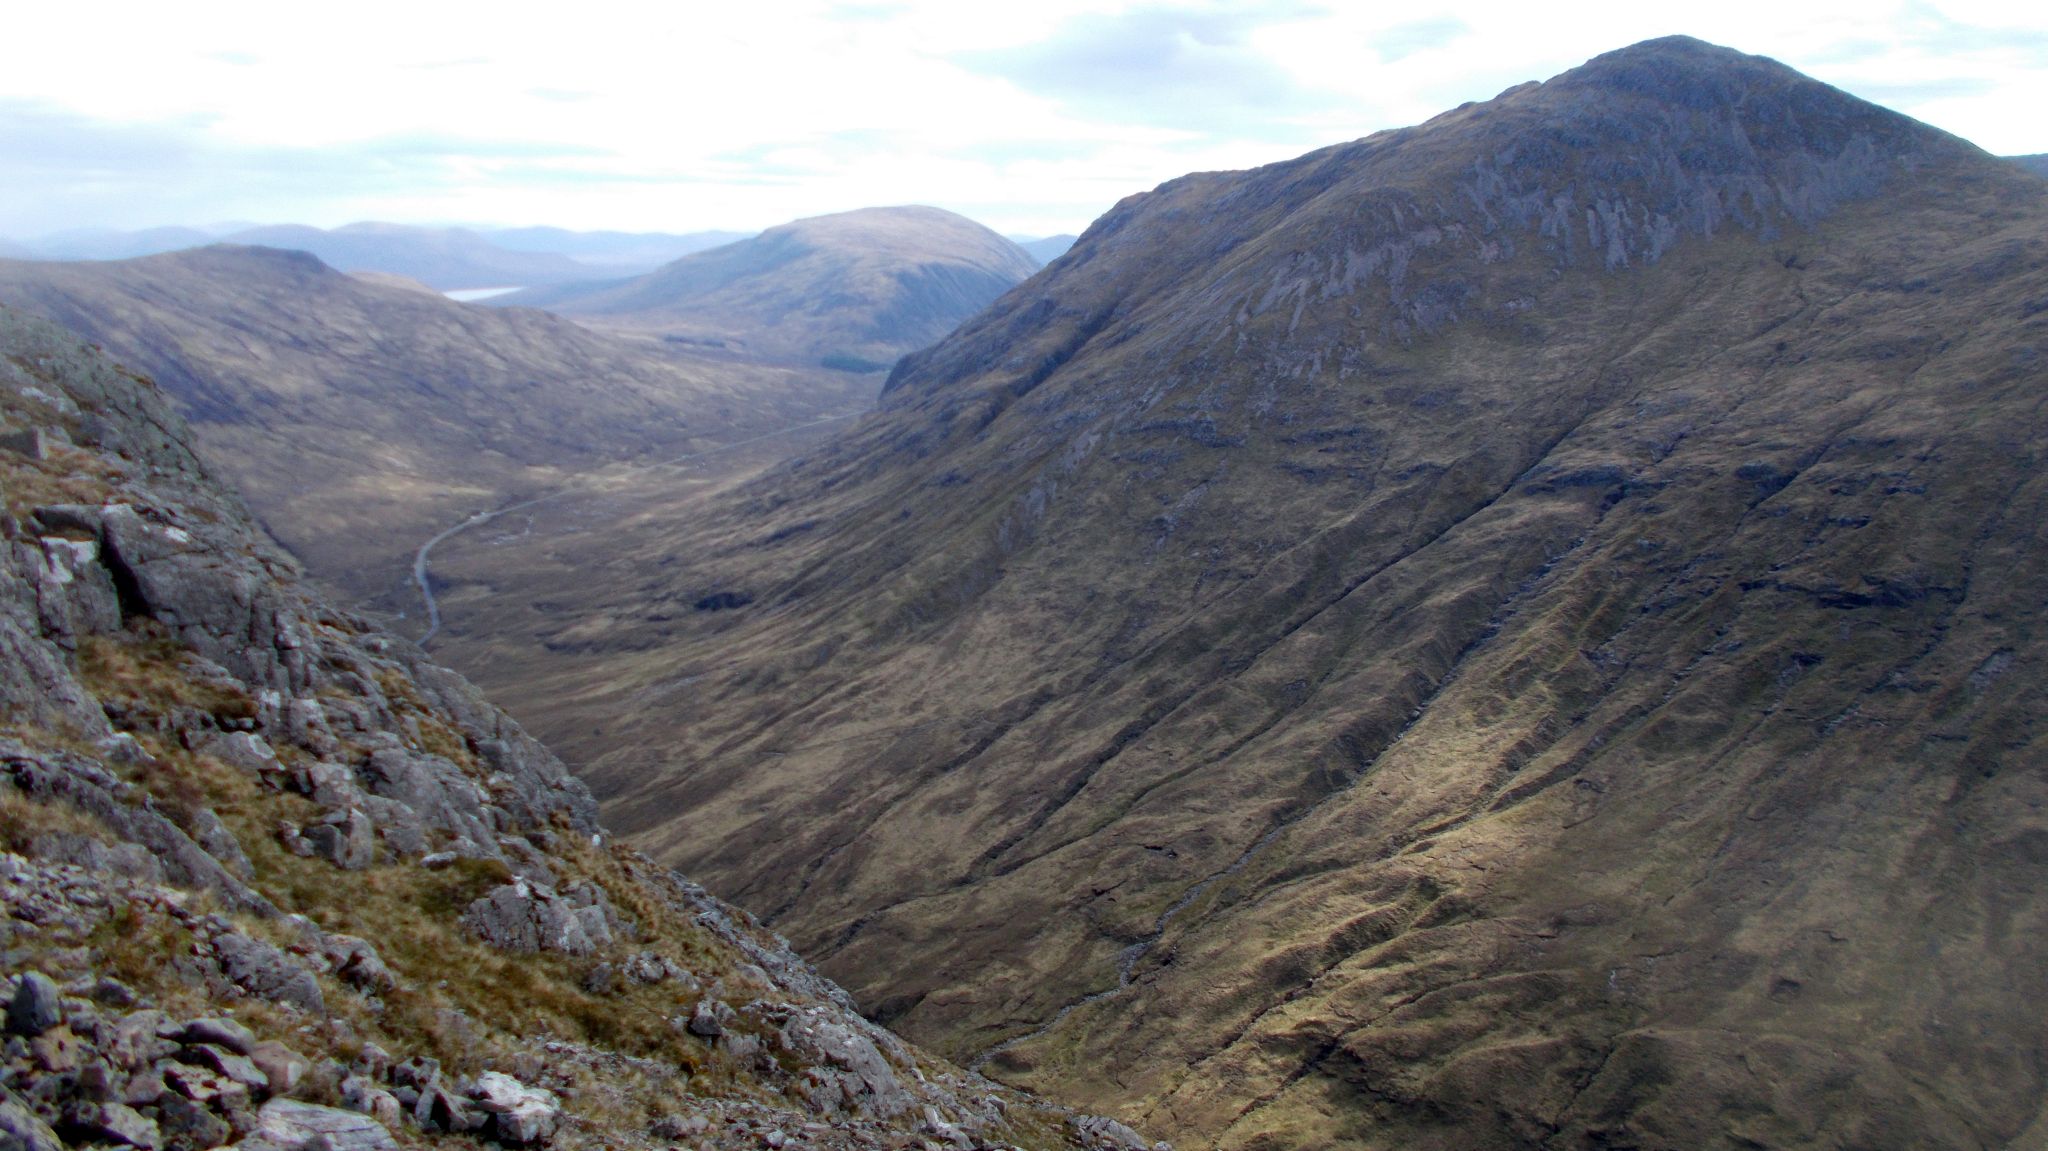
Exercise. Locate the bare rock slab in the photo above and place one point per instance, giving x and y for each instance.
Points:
(289, 1125)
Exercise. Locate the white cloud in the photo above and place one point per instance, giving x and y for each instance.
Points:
(610, 114)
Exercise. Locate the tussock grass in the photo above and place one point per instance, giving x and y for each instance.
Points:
(145, 667)
(23, 820)
(68, 477)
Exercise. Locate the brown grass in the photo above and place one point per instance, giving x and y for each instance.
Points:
(65, 478)
(23, 820)
(143, 668)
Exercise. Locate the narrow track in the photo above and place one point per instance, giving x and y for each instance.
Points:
(422, 576)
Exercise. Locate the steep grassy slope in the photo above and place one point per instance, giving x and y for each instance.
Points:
(361, 419)
(858, 286)
(1521, 631)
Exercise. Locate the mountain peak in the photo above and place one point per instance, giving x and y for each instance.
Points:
(1611, 165)
(859, 288)
(1698, 74)
(1431, 641)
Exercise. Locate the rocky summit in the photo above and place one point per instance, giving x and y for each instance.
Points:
(271, 880)
(1521, 631)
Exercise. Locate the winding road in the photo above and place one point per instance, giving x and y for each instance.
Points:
(422, 577)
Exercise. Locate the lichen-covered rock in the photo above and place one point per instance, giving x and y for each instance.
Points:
(289, 1125)
(251, 753)
(523, 916)
(438, 794)
(850, 1073)
(239, 1068)
(1097, 1131)
(355, 962)
(216, 1031)
(267, 973)
(215, 839)
(347, 839)
(519, 1114)
(282, 1067)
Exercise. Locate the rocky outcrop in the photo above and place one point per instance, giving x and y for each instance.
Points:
(269, 879)
(523, 916)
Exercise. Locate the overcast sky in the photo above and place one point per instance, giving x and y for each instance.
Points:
(1033, 118)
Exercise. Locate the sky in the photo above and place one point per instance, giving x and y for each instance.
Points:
(693, 115)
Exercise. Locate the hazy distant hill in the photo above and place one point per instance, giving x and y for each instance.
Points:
(394, 280)
(858, 287)
(441, 258)
(610, 253)
(1517, 632)
(2035, 164)
(446, 258)
(1047, 250)
(109, 244)
(360, 418)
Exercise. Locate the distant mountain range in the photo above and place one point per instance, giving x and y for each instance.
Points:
(446, 259)
(853, 290)
(1047, 249)
(441, 258)
(110, 244)
(2036, 164)
(615, 253)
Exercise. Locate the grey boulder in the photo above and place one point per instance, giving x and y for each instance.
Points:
(218, 1032)
(524, 916)
(36, 1006)
(289, 1125)
(115, 1123)
(520, 1115)
(343, 838)
(267, 973)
